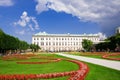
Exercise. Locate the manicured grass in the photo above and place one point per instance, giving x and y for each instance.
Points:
(92, 55)
(10, 67)
(117, 56)
(102, 73)
(96, 72)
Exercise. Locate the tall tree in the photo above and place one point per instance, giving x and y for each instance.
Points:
(8, 43)
(87, 44)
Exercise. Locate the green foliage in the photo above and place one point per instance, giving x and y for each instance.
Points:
(111, 43)
(8, 42)
(34, 47)
(87, 44)
(23, 45)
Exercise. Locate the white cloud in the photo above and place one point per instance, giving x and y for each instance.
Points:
(30, 26)
(86, 10)
(6, 2)
(27, 21)
(35, 22)
(22, 32)
(41, 6)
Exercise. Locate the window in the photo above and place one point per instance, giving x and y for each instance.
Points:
(42, 38)
(37, 43)
(62, 43)
(42, 43)
(37, 38)
(59, 43)
(53, 43)
(56, 43)
(74, 43)
(65, 43)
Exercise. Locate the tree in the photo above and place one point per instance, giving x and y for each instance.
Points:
(112, 43)
(87, 44)
(103, 46)
(11, 43)
(2, 34)
(34, 47)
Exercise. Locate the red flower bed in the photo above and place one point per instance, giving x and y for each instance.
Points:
(35, 76)
(114, 54)
(81, 73)
(74, 75)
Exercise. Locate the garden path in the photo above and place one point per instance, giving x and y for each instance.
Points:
(106, 63)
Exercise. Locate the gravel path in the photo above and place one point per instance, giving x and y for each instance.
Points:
(102, 62)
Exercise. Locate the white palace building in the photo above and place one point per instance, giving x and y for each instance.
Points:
(62, 42)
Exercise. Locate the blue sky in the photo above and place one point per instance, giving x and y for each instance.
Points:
(23, 18)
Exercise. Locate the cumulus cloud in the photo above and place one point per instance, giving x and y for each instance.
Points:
(6, 2)
(102, 12)
(91, 10)
(27, 21)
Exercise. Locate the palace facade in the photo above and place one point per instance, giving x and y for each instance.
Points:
(62, 42)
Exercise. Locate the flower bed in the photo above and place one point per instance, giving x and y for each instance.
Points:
(108, 56)
(74, 75)
(81, 73)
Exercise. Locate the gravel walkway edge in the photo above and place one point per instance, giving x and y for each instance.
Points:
(102, 62)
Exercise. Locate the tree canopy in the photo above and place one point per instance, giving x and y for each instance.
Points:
(34, 47)
(112, 43)
(87, 44)
(8, 42)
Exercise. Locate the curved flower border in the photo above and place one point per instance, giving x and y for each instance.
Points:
(74, 75)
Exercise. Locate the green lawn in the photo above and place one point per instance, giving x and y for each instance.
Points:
(96, 72)
(92, 55)
(10, 67)
(102, 73)
(117, 56)
(99, 72)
